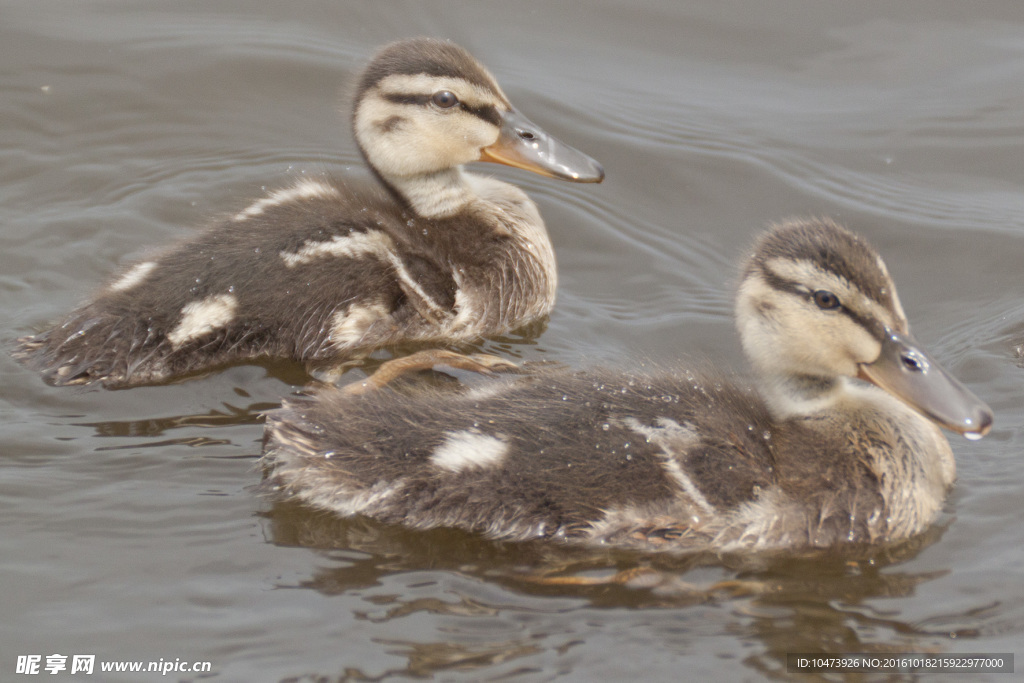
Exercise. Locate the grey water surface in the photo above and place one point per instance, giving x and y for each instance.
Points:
(131, 528)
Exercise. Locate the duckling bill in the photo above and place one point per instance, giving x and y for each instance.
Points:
(325, 270)
(837, 440)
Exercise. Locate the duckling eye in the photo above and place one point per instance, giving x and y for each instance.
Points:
(826, 300)
(445, 99)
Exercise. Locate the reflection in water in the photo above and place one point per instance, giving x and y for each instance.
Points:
(822, 601)
(157, 426)
(426, 659)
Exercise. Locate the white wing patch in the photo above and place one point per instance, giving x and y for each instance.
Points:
(349, 327)
(468, 311)
(410, 285)
(353, 245)
(469, 449)
(347, 502)
(202, 317)
(674, 440)
(134, 276)
(305, 189)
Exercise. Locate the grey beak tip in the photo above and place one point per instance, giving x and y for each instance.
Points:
(594, 177)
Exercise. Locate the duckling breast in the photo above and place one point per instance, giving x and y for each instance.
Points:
(501, 259)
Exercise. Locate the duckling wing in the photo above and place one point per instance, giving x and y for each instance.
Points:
(577, 456)
(315, 274)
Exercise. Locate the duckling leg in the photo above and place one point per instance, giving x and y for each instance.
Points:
(483, 363)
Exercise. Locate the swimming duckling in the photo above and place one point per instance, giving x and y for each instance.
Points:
(838, 440)
(323, 270)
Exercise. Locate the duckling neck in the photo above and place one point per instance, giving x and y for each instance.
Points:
(434, 195)
(793, 396)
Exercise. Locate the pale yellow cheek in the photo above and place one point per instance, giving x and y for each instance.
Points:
(782, 334)
(424, 141)
(758, 333)
(454, 139)
(829, 343)
(863, 347)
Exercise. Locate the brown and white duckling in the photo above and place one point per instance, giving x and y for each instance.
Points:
(323, 270)
(838, 440)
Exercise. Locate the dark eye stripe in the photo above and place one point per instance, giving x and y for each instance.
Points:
(487, 112)
(873, 326)
(398, 98)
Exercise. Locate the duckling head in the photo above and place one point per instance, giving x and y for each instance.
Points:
(424, 107)
(816, 305)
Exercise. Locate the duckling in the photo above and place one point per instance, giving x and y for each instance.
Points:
(326, 270)
(837, 440)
